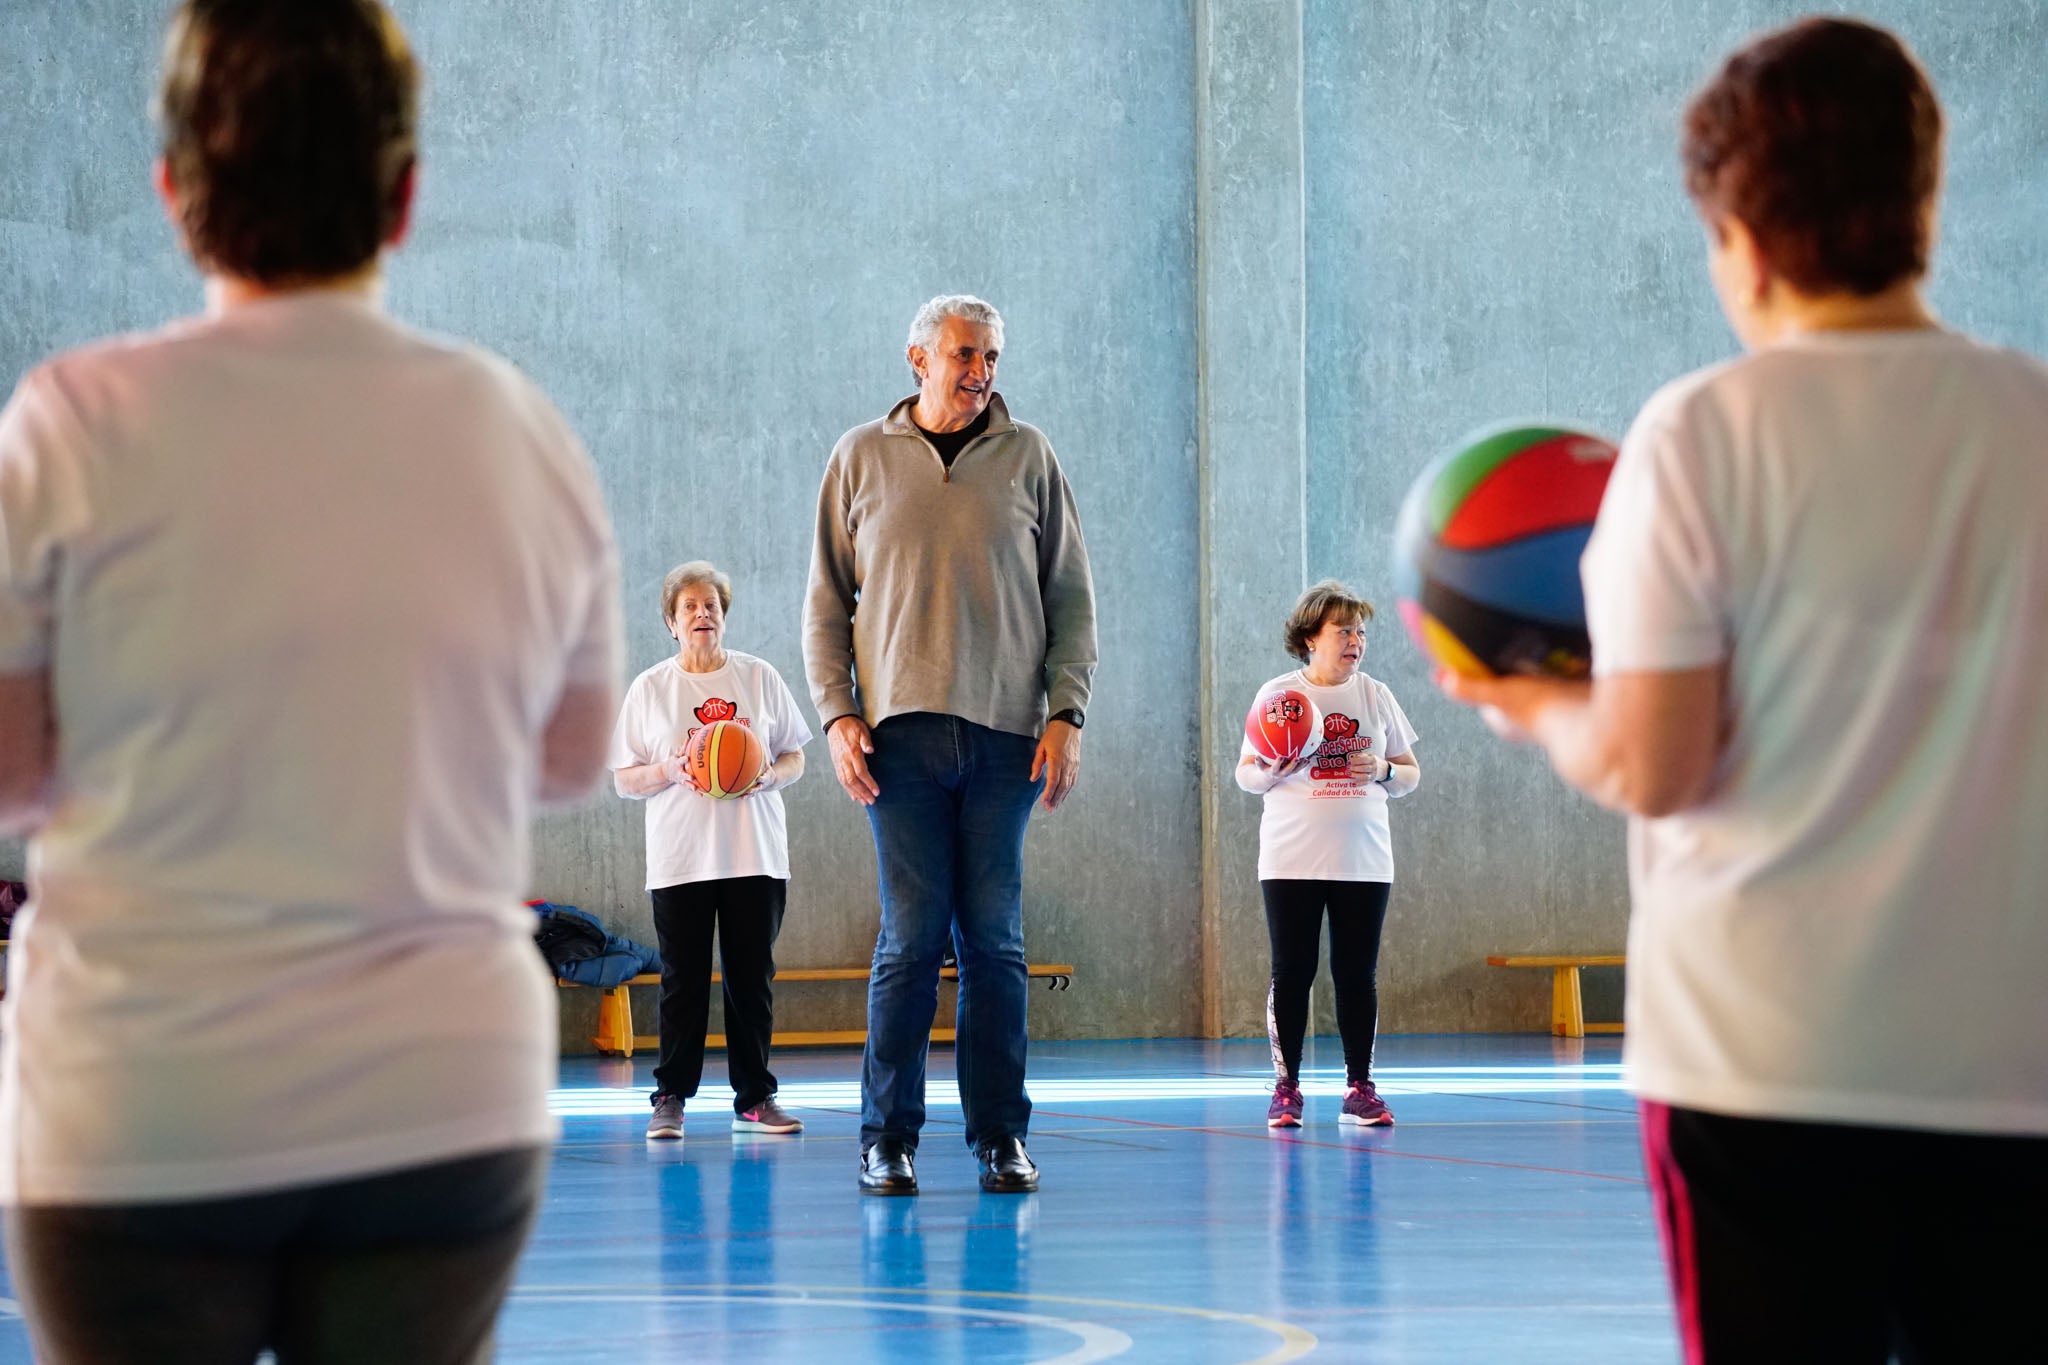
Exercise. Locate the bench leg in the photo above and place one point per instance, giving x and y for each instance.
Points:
(615, 1022)
(1567, 1007)
(622, 1019)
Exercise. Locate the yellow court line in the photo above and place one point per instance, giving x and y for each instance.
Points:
(1097, 1341)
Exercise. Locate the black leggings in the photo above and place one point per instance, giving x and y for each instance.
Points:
(748, 914)
(407, 1265)
(1294, 927)
(1838, 1244)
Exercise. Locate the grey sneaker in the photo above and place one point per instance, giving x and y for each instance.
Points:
(667, 1119)
(767, 1117)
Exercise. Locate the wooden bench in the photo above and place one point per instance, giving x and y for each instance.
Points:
(1567, 1008)
(615, 1010)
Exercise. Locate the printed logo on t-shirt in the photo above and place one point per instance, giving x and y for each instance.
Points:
(713, 710)
(1341, 739)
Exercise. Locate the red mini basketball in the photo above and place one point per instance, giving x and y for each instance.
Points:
(1281, 725)
(725, 758)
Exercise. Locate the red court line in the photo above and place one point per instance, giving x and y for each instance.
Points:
(1272, 1136)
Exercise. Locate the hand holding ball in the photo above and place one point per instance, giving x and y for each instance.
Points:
(724, 759)
(1282, 726)
(1486, 552)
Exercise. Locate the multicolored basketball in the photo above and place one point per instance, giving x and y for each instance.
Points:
(725, 758)
(1281, 725)
(1486, 553)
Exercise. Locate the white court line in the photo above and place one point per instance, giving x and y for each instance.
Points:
(940, 1093)
(1294, 1342)
(1097, 1341)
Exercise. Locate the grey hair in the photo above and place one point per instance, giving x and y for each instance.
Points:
(924, 328)
(696, 571)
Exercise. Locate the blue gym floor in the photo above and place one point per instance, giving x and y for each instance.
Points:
(1503, 1219)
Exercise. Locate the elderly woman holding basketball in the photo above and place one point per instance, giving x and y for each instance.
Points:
(1324, 844)
(1827, 731)
(711, 861)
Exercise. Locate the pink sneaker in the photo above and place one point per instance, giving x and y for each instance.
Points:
(1285, 1110)
(1364, 1107)
(766, 1117)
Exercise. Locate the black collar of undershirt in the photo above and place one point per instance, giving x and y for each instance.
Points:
(949, 444)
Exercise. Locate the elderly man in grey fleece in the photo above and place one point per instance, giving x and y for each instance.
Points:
(949, 636)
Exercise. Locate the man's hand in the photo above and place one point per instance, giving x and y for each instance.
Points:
(1059, 758)
(851, 743)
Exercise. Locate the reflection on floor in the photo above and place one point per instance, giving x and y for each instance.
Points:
(1503, 1219)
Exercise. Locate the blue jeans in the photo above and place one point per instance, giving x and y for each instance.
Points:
(949, 847)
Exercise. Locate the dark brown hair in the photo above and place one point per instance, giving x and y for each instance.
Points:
(288, 127)
(1824, 139)
(1318, 605)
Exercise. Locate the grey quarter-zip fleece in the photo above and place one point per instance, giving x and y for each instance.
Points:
(961, 591)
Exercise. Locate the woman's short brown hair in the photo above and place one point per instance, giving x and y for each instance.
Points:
(696, 571)
(288, 127)
(1824, 139)
(1322, 602)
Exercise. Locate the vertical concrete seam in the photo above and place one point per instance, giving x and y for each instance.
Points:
(1301, 326)
(1210, 985)
(1301, 282)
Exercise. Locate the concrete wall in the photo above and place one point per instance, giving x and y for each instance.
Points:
(1497, 229)
(1254, 454)
(704, 228)
(1260, 259)
(720, 219)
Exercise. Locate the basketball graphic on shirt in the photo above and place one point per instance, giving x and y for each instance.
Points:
(1486, 551)
(1281, 725)
(1340, 740)
(716, 709)
(725, 758)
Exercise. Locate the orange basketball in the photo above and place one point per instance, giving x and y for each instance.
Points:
(725, 758)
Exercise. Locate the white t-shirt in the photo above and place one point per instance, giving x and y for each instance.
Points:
(1318, 824)
(690, 836)
(308, 585)
(1853, 925)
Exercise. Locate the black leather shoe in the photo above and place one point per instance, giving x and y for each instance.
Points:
(887, 1168)
(1005, 1169)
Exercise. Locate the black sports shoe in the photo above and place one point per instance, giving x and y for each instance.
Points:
(888, 1168)
(1005, 1168)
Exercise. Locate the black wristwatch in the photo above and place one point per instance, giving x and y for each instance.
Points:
(1071, 716)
